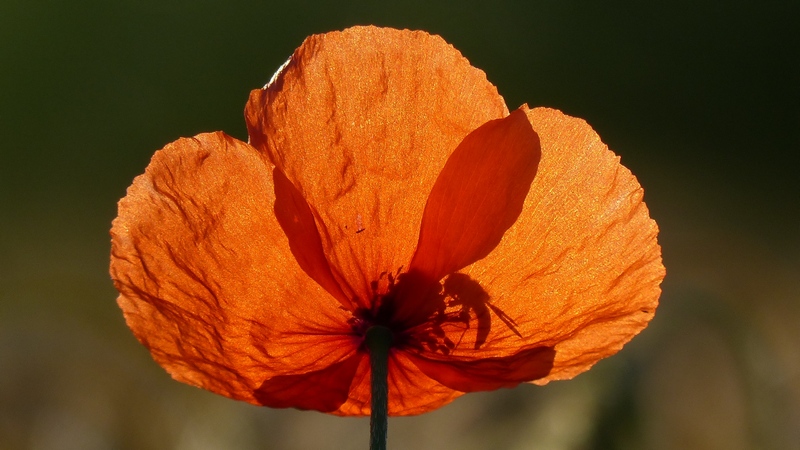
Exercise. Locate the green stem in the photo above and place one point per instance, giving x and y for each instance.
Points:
(379, 339)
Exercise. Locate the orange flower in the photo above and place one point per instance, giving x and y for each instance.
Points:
(385, 183)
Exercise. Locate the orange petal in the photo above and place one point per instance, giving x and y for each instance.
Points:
(362, 122)
(490, 373)
(206, 276)
(580, 269)
(477, 196)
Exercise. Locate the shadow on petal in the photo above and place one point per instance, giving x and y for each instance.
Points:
(297, 221)
(478, 195)
(323, 390)
(489, 373)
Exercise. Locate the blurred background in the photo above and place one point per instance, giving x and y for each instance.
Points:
(701, 100)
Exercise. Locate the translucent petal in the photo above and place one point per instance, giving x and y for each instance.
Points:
(206, 277)
(580, 269)
(362, 122)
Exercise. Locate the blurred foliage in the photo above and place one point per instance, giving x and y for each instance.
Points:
(701, 100)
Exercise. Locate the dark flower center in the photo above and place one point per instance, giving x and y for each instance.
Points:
(456, 303)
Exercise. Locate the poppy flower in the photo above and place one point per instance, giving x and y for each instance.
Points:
(385, 183)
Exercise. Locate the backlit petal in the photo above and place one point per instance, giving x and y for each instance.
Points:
(580, 269)
(207, 279)
(362, 122)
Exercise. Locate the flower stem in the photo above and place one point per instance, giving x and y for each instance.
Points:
(379, 339)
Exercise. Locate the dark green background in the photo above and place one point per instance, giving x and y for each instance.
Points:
(701, 100)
